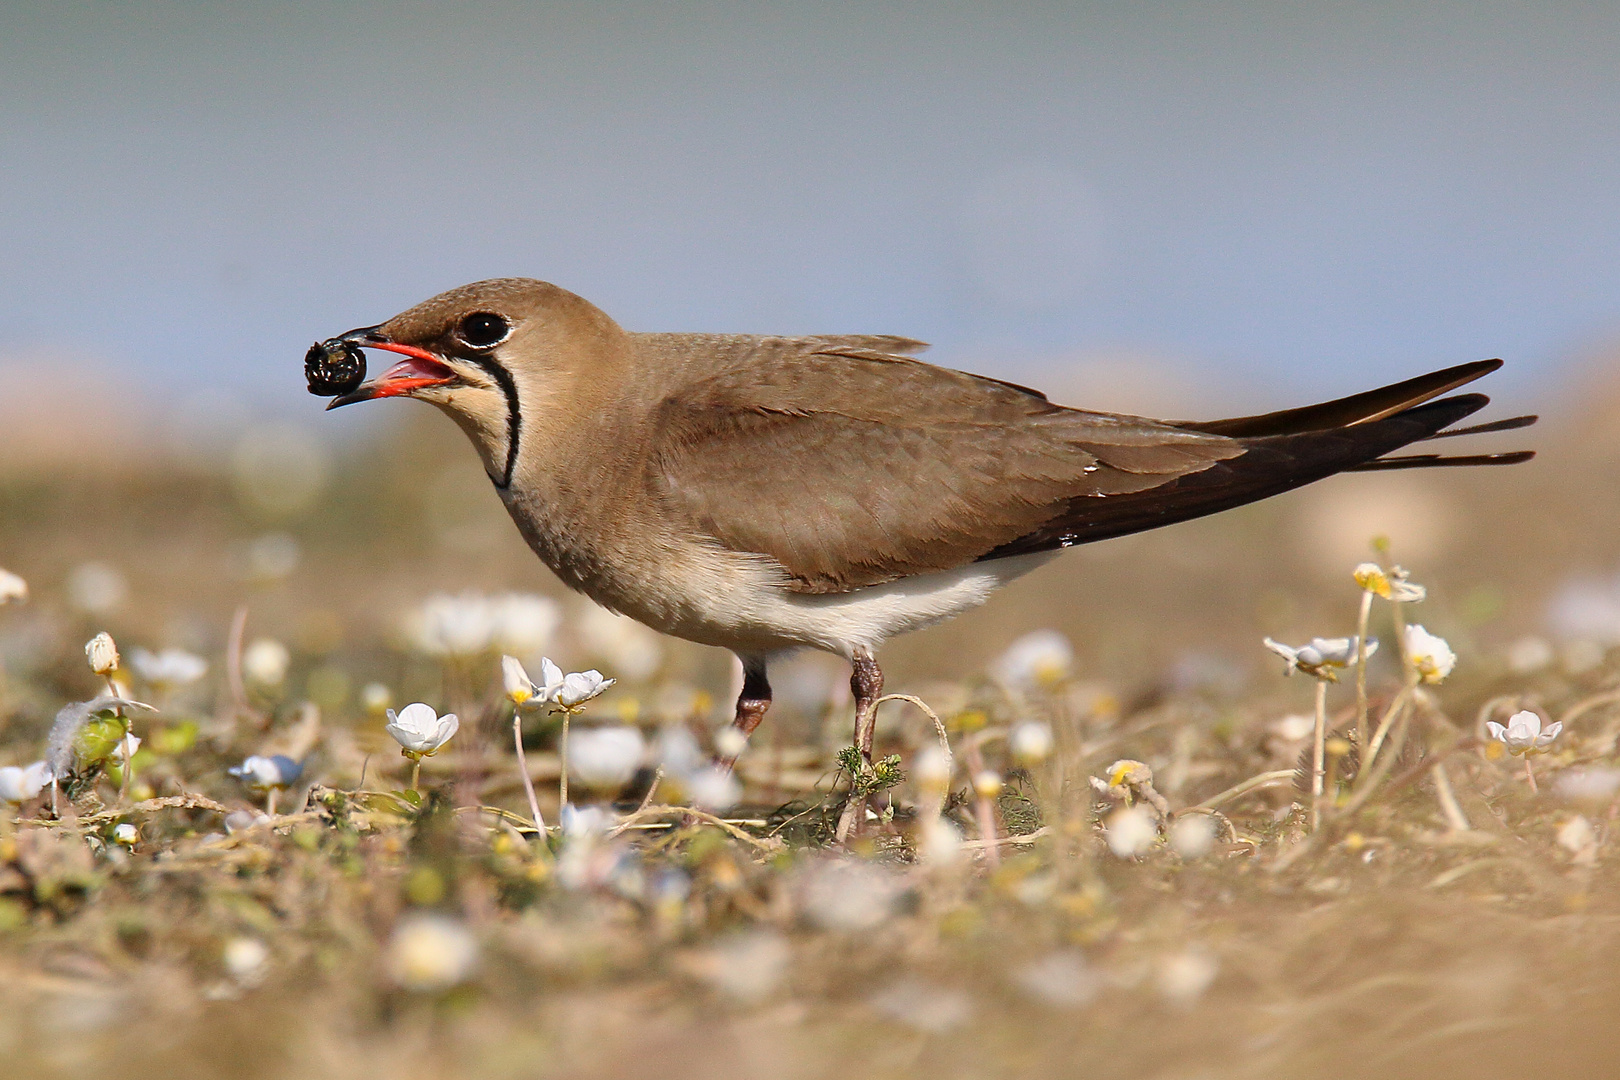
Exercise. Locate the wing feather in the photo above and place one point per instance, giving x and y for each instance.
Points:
(851, 467)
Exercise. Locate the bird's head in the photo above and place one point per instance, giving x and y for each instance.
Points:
(491, 355)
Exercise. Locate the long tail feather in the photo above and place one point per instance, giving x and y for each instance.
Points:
(1437, 461)
(1510, 424)
(1363, 408)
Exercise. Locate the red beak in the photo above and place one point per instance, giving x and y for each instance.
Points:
(419, 368)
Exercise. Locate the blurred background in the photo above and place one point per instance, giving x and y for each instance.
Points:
(1179, 208)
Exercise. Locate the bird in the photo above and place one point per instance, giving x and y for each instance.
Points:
(764, 494)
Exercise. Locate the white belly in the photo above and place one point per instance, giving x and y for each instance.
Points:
(753, 619)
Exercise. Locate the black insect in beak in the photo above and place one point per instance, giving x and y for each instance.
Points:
(334, 367)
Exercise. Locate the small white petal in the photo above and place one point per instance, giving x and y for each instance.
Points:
(265, 662)
(1035, 661)
(519, 687)
(551, 679)
(431, 952)
(1131, 831)
(12, 587)
(1192, 835)
(713, 789)
(605, 757)
(1031, 741)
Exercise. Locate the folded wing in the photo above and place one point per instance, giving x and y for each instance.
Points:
(851, 466)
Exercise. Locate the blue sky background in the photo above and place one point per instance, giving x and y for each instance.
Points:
(1296, 198)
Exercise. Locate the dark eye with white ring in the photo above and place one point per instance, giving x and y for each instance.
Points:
(483, 329)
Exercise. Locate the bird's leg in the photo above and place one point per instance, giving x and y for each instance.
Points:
(752, 703)
(866, 685)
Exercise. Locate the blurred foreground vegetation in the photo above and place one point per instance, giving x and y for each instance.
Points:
(368, 930)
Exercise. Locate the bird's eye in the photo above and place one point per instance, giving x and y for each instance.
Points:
(483, 329)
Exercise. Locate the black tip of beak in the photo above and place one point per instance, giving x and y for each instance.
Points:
(363, 394)
(364, 335)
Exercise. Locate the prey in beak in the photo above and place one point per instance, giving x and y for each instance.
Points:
(336, 367)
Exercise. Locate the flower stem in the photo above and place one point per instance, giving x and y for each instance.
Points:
(128, 771)
(523, 771)
(562, 755)
(1398, 704)
(1361, 668)
(1448, 799)
(416, 772)
(1530, 775)
(129, 765)
(984, 811)
(1318, 754)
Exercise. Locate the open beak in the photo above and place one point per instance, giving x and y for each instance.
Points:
(419, 368)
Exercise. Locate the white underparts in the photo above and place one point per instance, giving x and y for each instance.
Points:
(844, 622)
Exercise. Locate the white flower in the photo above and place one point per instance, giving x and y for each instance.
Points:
(987, 783)
(1031, 741)
(19, 785)
(169, 668)
(745, 965)
(583, 822)
(1524, 733)
(420, 730)
(713, 789)
(265, 773)
(523, 623)
(1580, 839)
(1060, 979)
(730, 742)
(102, 654)
(1320, 657)
(1131, 831)
(519, 687)
(931, 771)
(96, 588)
(375, 697)
(1586, 609)
(127, 746)
(939, 843)
(1528, 655)
(1183, 978)
(605, 757)
(1037, 660)
(932, 1010)
(245, 958)
(126, 834)
(1294, 727)
(265, 662)
(431, 952)
(12, 587)
(1431, 655)
(1592, 783)
(629, 648)
(846, 894)
(576, 688)
(458, 626)
(1192, 835)
(1391, 584)
(678, 751)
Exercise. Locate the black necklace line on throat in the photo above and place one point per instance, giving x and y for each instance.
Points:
(514, 419)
